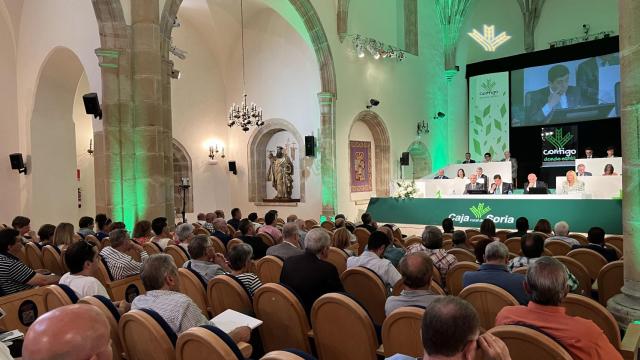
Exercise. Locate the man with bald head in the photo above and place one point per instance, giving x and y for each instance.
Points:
(532, 182)
(72, 332)
(290, 245)
(416, 270)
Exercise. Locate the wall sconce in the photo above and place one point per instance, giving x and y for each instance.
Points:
(423, 126)
(90, 149)
(214, 152)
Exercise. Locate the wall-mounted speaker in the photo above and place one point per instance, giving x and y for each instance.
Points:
(309, 146)
(92, 105)
(233, 168)
(17, 163)
(404, 159)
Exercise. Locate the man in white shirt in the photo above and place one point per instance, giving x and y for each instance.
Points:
(162, 283)
(160, 228)
(118, 262)
(372, 259)
(290, 245)
(204, 259)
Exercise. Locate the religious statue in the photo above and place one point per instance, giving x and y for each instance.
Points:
(280, 173)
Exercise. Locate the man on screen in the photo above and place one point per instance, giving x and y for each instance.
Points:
(473, 184)
(557, 95)
(581, 171)
(498, 187)
(594, 79)
(534, 183)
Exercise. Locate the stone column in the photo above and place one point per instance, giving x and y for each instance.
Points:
(626, 306)
(328, 153)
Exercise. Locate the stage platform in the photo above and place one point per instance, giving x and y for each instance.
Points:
(469, 211)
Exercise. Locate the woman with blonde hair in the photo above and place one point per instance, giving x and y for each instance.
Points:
(342, 240)
(64, 235)
(572, 185)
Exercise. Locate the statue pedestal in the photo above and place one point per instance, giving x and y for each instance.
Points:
(280, 200)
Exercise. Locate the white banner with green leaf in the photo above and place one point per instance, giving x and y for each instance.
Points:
(489, 115)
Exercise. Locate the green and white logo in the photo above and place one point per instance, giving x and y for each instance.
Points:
(488, 88)
(559, 140)
(488, 39)
(479, 210)
(555, 147)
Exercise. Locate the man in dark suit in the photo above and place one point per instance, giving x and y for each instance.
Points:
(557, 95)
(581, 171)
(485, 179)
(595, 236)
(588, 77)
(500, 188)
(468, 159)
(473, 184)
(367, 223)
(248, 236)
(440, 175)
(308, 274)
(534, 183)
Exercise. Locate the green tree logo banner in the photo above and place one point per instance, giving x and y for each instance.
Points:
(479, 210)
(489, 115)
(559, 140)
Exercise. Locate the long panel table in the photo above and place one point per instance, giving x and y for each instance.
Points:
(469, 211)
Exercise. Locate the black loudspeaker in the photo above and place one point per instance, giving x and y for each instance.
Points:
(233, 168)
(17, 163)
(404, 159)
(92, 105)
(309, 146)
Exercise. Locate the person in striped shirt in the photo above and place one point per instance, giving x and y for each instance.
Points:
(119, 263)
(240, 262)
(15, 276)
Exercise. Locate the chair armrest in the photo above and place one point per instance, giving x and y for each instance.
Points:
(310, 334)
(631, 342)
(245, 349)
(380, 350)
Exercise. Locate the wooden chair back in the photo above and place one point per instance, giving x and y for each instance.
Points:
(201, 343)
(579, 271)
(338, 258)
(225, 292)
(401, 332)
(201, 231)
(411, 240)
(513, 244)
(266, 238)
(362, 235)
(557, 247)
(610, 281)
(591, 260)
(581, 238)
(521, 270)
(231, 230)
(52, 260)
(435, 275)
(151, 248)
(233, 243)
(123, 289)
(368, 289)
(474, 239)
(193, 287)
(285, 323)
(22, 309)
(488, 300)
(268, 269)
(455, 273)
(55, 296)
(462, 255)
(529, 344)
(33, 256)
(177, 253)
(112, 316)
(617, 241)
(309, 224)
(502, 234)
(218, 245)
(142, 336)
(472, 232)
(447, 244)
(590, 309)
(337, 311)
(94, 240)
(329, 225)
(618, 251)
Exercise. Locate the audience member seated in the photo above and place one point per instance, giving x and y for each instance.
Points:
(546, 283)
(479, 249)
(45, 235)
(162, 283)
(23, 225)
(432, 245)
(86, 226)
(301, 231)
(64, 236)
(522, 226)
(269, 226)
(253, 217)
(248, 232)
(460, 241)
(15, 276)
(118, 225)
(102, 222)
(201, 219)
(142, 232)
(208, 223)
(184, 234)
(240, 264)
(342, 241)
(488, 228)
(416, 270)
(72, 332)
(119, 263)
(290, 246)
(447, 226)
(367, 223)
(595, 236)
(236, 216)
(532, 245)
(494, 271)
(219, 214)
(561, 230)
(543, 226)
(162, 235)
(372, 259)
(221, 230)
(308, 274)
(204, 259)
(394, 252)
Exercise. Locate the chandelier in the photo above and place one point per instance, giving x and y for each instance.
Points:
(244, 115)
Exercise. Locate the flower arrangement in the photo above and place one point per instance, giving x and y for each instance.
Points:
(406, 189)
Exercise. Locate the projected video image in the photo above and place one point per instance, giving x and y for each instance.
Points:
(572, 91)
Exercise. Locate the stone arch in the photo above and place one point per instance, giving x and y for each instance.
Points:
(182, 167)
(420, 159)
(257, 160)
(382, 149)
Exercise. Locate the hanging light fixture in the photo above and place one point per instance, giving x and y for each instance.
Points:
(244, 115)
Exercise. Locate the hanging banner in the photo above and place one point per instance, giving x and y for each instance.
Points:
(360, 166)
(489, 115)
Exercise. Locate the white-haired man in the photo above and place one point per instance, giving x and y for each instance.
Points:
(561, 231)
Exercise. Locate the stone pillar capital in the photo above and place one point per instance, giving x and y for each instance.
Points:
(108, 58)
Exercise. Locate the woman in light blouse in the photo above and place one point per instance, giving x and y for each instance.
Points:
(460, 174)
(608, 170)
(572, 185)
